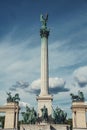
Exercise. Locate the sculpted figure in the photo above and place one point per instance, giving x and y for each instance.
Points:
(59, 116)
(25, 117)
(81, 95)
(44, 21)
(77, 98)
(44, 113)
(14, 98)
(30, 116)
(9, 98)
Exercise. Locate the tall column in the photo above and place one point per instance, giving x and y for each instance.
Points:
(44, 99)
(44, 33)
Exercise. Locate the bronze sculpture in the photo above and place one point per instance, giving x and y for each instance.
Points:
(15, 98)
(30, 116)
(59, 116)
(44, 21)
(44, 113)
(77, 98)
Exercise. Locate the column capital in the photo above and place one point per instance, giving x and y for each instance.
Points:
(44, 33)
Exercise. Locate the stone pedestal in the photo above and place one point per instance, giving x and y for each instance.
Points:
(79, 115)
(47, 101)
(44, 127)
(11, 111)
(11, 118)
(79, 128)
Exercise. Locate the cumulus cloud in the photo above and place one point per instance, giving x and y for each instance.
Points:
(24, 104)
(19, 84)
(56, 85)
(80, 76)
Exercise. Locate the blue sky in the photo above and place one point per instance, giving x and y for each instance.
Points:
(20, 49)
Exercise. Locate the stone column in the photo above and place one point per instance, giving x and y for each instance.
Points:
(44, 62)
(17, 116)
(44, 98)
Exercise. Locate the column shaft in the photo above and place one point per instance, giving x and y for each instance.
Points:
(44, 66)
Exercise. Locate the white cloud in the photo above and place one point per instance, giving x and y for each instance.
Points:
(53, 82)
(55, 85)
(56, 82)
(36, 84)
(80, 76)
(24, 104)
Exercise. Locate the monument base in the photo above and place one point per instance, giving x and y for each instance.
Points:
(44, 100)
(79, 129)
(79, 115)
(44, 127)
(11, 117)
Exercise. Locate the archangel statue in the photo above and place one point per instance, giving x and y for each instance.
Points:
(44, 21)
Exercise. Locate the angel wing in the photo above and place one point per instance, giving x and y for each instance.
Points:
(46, 17)
(41, 18)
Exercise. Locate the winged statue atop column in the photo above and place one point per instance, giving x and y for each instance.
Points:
(44, 21)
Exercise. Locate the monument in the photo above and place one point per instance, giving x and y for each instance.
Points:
(43, 120)
(44, 99)
(79, 109)
(12, 111)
